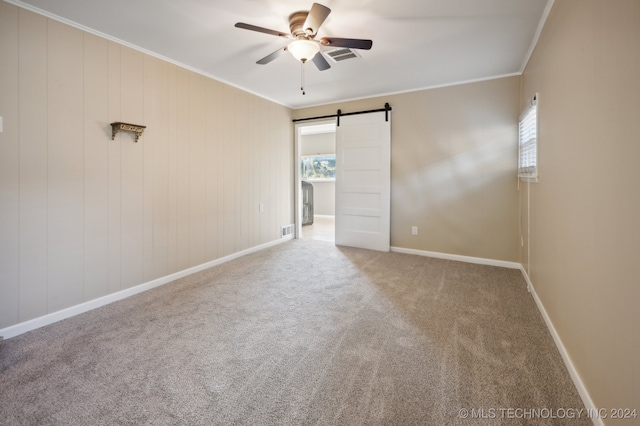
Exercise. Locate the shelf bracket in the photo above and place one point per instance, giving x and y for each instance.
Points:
(117, 126)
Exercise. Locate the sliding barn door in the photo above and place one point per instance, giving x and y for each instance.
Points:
(363, 181)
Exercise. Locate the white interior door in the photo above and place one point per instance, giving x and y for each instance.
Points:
(363, 181)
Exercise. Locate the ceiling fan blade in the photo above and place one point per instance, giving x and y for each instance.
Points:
(272, 56)
(354, 43)
(321, 62)
(315, 18)
(261, 30)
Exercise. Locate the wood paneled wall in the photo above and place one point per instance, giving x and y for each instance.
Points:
(83, 216)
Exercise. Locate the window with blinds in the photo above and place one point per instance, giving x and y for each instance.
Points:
(528, 143)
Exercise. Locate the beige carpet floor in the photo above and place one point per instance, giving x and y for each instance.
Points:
(301, 333)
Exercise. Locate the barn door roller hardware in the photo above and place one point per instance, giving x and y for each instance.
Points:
(117, 126)
(339, 114)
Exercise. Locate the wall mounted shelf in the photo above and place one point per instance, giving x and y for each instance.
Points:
(117, 126)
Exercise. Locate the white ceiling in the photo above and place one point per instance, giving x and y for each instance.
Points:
(417, 44)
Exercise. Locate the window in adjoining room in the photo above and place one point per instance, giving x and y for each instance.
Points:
(318, 167)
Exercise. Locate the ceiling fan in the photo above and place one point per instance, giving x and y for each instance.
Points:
(304, 26)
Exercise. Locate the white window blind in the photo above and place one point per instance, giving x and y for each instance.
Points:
(528, 143)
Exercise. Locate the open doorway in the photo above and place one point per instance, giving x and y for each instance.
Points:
(362, 183)
(315, 180)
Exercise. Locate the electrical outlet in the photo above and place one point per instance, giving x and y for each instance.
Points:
(414, 230)
(521, 241)
(1, 126)
(261, 207)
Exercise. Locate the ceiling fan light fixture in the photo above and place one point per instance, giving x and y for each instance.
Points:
(303, 50)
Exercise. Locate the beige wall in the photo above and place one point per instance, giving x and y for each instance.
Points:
(453, 167)
(318, 143)
(324, 198)
(84, 216)
(585, 210)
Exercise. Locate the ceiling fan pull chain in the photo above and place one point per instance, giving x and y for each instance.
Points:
(302, 77)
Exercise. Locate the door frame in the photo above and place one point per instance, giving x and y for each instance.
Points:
(297, 199)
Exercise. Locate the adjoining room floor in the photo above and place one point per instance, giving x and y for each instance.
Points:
(323, 228)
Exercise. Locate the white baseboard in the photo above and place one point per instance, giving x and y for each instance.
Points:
(53, 317)
(577, 381)
(459, 258)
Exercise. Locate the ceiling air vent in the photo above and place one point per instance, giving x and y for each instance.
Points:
(342, 54)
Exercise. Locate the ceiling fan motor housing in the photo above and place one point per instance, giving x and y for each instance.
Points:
(296, 22)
